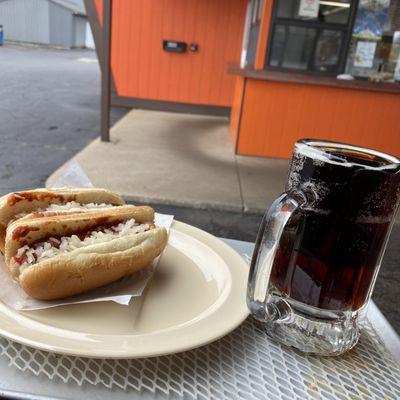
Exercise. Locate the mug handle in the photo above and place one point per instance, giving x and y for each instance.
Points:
(269, 234)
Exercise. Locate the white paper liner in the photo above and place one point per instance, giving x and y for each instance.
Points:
(72, 175)
(120, 292)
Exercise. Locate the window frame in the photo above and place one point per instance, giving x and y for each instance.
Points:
(319, 26)
(254, 22)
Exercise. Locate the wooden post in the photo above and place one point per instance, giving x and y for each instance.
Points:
(106, 72)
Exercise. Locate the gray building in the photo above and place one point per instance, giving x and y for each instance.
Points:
(50, 22)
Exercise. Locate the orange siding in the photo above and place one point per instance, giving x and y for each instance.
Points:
(99, 8)
(263, 34)
(142, 69)
(237, 108)
(275, 115)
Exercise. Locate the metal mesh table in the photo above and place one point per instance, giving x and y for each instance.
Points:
(242, 365)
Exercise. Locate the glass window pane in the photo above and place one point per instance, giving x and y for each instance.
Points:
(287, 8)
(278, 46)
(336, 12)
(374, 49)
(292, 47)
(253, 19)
(327, 51)
(252, 45)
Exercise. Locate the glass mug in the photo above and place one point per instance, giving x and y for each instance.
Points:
(321, 243)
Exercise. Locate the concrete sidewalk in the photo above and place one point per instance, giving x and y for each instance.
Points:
(181, 159)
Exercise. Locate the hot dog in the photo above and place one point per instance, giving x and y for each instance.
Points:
(60, 255)
(17, 204)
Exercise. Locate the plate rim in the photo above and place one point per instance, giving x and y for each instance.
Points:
(235, 318)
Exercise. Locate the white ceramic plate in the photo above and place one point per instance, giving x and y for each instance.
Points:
(196, 296)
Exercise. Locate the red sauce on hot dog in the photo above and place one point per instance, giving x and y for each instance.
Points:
(16, 197)
(22, 231)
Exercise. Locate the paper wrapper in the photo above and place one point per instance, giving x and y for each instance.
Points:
(120, 292)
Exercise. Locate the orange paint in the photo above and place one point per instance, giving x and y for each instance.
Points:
(267, 117)
(237, 107)
(142, 69)
(262, 43)
(99, 8)
(275, 115)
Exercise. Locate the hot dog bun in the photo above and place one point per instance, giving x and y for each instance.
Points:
(93, 266)
(88, 267)
(15, 203)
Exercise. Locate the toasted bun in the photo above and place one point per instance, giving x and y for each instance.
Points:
(93, 266)
(30, 200)
(41, 214)
(2, 239)
(28, 230)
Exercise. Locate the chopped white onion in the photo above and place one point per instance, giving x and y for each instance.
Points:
(73, 205)
(47, 249)
(70, 206)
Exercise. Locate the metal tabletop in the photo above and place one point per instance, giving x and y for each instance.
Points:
(16, 384)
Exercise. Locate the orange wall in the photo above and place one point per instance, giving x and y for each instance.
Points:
(99, 7)
(275, 115)
(237, 107)
(142, 69)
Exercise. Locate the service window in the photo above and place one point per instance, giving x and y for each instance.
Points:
(310, 36)
(357, 37)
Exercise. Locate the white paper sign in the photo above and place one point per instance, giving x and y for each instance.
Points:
(309, 8)
(365, 53)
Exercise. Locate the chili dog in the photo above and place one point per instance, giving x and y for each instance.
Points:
(17, 204)
(57, 255)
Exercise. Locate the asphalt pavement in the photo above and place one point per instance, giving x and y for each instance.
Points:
(49, 110)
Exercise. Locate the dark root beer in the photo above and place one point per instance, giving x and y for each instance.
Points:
(331, 249)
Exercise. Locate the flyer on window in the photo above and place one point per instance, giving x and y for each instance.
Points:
(365, 53)
(309, 8)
